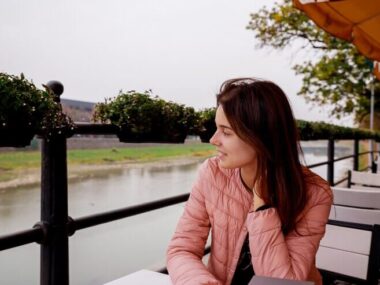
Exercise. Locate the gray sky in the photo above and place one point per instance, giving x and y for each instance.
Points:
(182, 50)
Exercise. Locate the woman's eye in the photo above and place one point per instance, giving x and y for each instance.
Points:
(226, 133)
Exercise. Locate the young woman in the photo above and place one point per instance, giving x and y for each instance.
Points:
(266, 212)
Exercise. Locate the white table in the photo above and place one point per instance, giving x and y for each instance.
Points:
(147, 277)
(143, 277)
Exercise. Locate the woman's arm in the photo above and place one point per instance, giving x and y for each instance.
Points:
(186, 249)
(289, 257)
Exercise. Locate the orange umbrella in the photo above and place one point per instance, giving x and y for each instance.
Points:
(356, 21)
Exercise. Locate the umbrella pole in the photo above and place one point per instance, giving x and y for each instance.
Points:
(371, 120)
(372, 104)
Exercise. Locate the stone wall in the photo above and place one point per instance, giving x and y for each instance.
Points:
(94, 142)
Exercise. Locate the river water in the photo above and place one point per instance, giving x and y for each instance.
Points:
(107, 252)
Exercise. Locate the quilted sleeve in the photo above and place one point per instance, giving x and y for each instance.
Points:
(290, 257)
(186, 249)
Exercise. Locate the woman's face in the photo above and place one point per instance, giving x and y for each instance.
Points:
(233, 152)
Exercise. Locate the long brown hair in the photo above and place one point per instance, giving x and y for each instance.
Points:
(260, 114)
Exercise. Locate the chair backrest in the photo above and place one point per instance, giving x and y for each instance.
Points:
(360, 187)
(359, 198)
(363, 178)
(355, 215)
(350, 252)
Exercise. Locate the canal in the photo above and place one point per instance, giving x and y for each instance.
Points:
(109, 251)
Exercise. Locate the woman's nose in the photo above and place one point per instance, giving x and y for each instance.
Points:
(214, 139)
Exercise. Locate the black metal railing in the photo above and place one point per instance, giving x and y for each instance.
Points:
(56, 226)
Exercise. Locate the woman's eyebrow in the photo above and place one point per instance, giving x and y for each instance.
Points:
(225, 127)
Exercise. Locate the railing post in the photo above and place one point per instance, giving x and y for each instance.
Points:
(330, 161)
(373, 165)
(356, 154)
(374, 160)
(54, 210)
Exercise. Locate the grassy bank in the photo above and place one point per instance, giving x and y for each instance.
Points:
(11, 163)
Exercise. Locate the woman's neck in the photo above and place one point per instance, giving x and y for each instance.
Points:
(247, 174)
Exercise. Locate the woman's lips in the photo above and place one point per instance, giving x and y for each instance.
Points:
(221, 154)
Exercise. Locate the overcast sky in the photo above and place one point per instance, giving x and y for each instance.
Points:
(182, 50)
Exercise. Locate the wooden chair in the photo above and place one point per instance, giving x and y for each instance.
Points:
(363, 180)
(349, 252)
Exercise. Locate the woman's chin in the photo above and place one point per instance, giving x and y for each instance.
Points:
(224, 163)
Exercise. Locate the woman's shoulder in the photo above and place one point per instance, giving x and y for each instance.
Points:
(319, 190)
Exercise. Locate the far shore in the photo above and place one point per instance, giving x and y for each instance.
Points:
(32, 177)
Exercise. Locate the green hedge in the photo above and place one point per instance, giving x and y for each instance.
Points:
(310, 130)
(324, 131)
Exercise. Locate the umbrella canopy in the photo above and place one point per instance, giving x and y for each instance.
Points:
(356, 21)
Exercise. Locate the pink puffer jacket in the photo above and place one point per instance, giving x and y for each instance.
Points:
(219, 202)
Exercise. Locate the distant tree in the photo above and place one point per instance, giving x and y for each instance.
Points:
(337, 75)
